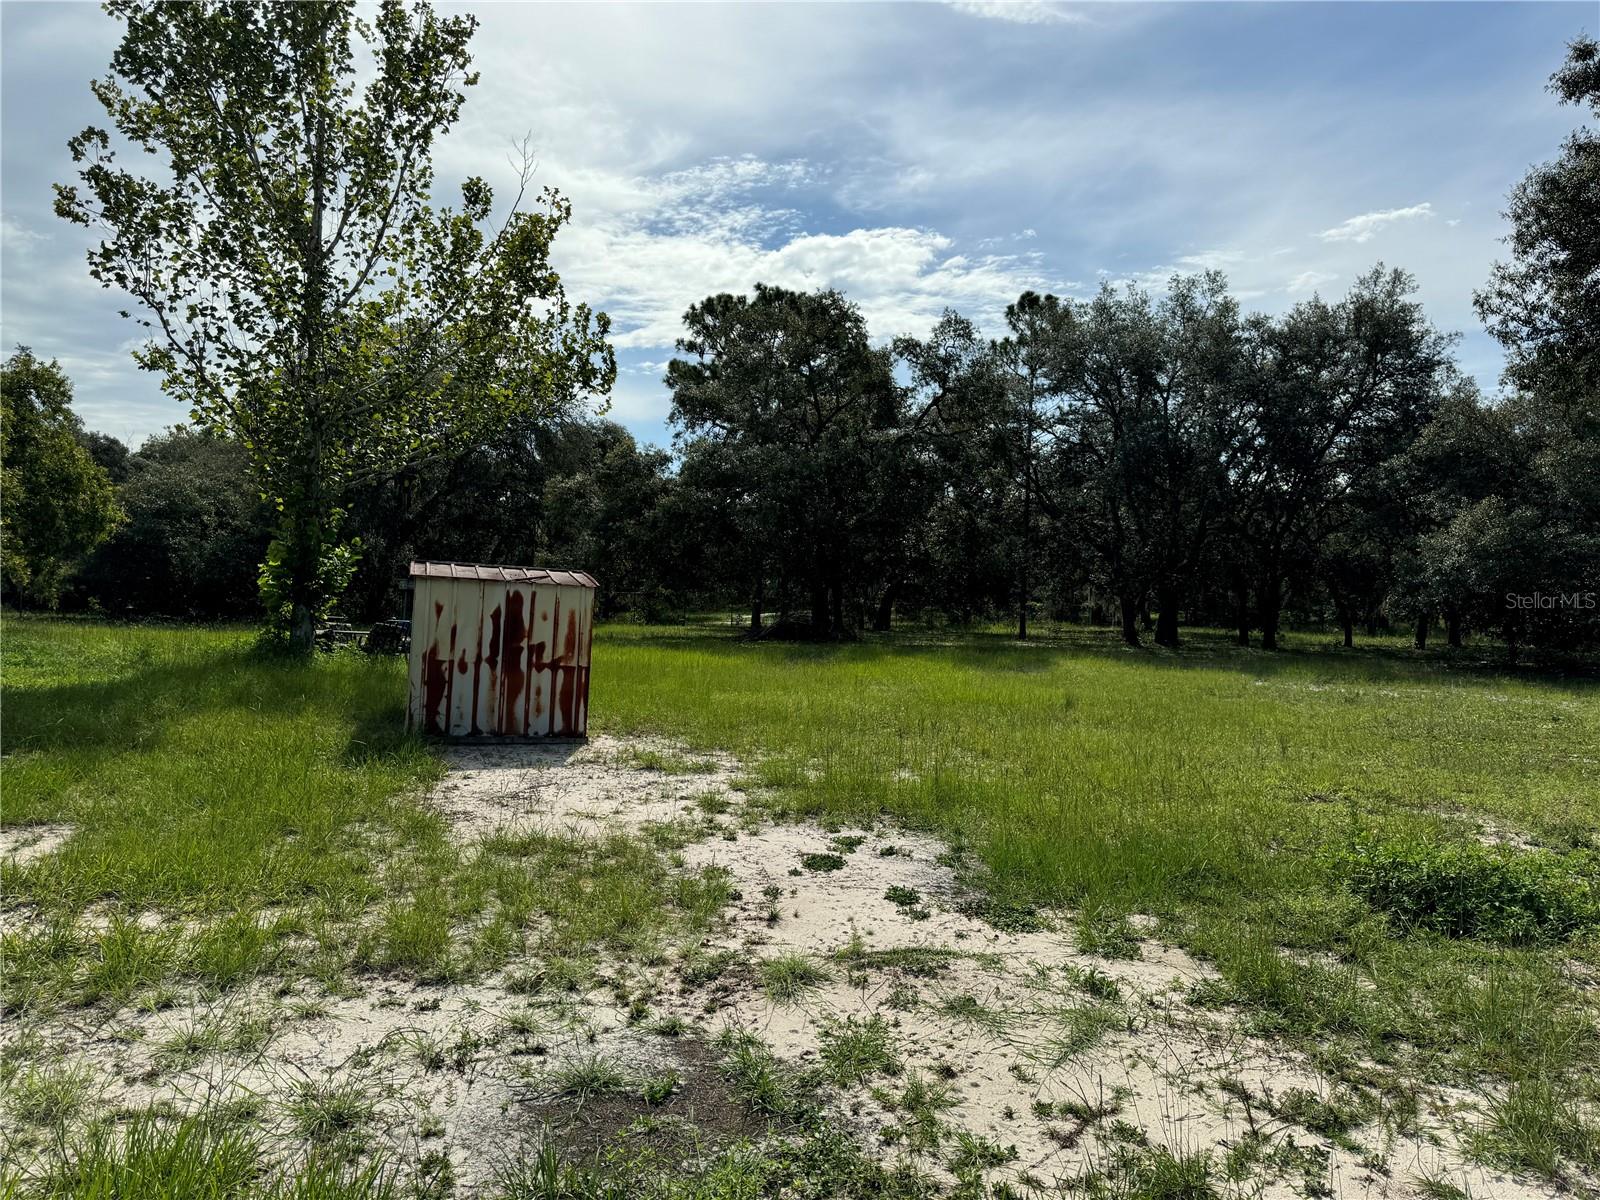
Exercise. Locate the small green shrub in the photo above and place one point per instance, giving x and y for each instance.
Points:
(658, 1089)
(1465, 890)
(822, 862)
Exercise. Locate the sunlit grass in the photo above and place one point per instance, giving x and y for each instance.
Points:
(224, 806)
(1213, 787)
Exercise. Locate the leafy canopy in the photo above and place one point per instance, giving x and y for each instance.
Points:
(59, 503)
(301, 289)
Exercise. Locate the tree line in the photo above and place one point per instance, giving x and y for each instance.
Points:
(1147, 460)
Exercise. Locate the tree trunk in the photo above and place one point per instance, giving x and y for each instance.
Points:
(819, 607)
(306, 507)
(1130, 620)
(1422, 630)
(302, 629)
(1452, 628)
(1025, 560)
(1022, 568)
(1347, 619)
(884, 617)
(1167, 615)
(301, 539)
(1241, 609)
(1270, 596)
(757, 607)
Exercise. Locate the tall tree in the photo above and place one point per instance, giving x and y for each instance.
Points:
(1146, 394)
(109, 452)
(194, 535)
(1541, 537)
(804, 412)
(58, 502)
(1330, 394)
(1031, 415)
(1138, 390)
(1544, 305)
(301, 290)
(963, 426)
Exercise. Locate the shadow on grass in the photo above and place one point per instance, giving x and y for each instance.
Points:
(138, 711)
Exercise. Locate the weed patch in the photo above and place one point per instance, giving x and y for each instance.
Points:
(1537, 1128)
(789, 976)
(1468, 890)
(823, 861)
(855, 1050)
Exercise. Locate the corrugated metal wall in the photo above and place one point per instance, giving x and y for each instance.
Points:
(500, 659)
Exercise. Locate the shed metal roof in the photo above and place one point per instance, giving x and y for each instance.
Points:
(492, 573)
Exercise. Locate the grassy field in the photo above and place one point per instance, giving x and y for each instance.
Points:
(1389, 857)
(1231, 793)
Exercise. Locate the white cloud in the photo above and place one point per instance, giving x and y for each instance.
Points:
(901, 277)
(1366, 226)
(1211, 260)
(1021, 12)
(1308, 281)
(16, 236)
(660, 244)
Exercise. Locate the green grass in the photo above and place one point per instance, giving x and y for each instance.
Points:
(1214, 787)
(235, 815)
(330, 1112)
(588, 1077)
(47, 1096)
(787, 977)
(854, 1050)
(218, 798)
(192, 1159)
(1537, 1129)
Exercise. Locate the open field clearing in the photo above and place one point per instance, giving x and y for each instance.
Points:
(926, 915)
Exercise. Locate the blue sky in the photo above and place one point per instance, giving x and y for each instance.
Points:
(913, 155)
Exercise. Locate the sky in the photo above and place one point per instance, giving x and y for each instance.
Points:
(915, 156)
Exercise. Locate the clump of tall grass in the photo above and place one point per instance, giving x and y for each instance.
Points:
(155, 1159)
(787, 977)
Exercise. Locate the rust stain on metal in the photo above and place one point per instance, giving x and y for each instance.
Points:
(512, 677)
(519, 637)
(433, 690)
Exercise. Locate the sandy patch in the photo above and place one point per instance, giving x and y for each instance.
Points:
(1024, 1029)
(24, 844)
(1055, 1059)
(579, 788)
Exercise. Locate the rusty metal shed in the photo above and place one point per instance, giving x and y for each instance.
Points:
(499, 651)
